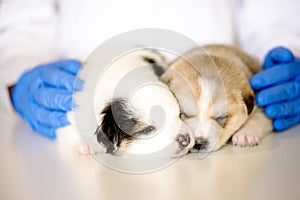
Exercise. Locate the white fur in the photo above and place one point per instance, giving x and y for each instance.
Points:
(153, 102)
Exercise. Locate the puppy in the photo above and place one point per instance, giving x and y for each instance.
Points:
(215, 98)
(136, 113)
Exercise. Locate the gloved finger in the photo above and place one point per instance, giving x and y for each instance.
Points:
(46, 131)
(61, 79)
(54, 99)
(274, 75)
(282, 124)
(285, 109)
(276, 56)
(278, 93)
(50, 118)
(78, 85)
(71, 66)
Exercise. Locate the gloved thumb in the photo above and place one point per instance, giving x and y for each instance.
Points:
(276, 56)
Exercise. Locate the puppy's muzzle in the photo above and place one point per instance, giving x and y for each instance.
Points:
(200, 144)
(183, 140)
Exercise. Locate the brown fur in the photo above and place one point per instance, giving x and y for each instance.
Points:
(224, 72)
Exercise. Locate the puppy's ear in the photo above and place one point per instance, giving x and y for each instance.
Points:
(158, 68)
(116, 125)
(248, 98)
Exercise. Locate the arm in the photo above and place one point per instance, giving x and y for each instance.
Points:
(265, 24)
(27, 38)
(262, 26)
(40, 94)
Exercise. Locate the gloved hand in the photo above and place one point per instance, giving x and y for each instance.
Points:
(43, 95)
(279, 88)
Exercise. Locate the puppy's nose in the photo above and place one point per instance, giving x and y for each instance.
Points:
(183, 140)
(200, 144)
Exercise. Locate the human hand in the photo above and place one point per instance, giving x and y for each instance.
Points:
(279, 88)
(43, 95)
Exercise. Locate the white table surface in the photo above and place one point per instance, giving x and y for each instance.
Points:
(32, 169)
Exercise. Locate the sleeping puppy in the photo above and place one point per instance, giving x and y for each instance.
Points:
(215, 98)
(136, 113)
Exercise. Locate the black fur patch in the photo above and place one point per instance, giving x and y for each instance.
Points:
(117, 125)
(249, 101)
(158, 69)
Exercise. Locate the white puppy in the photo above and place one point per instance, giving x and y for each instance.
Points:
(136, 112)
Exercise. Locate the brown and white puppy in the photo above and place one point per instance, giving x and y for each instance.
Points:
(215, 98)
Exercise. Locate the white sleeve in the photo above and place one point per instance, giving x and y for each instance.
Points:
(265, 24)
(28, 37)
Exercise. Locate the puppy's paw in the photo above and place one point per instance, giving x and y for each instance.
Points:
(82, 151)
(245, 138)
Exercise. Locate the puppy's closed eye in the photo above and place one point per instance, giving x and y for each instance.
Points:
(146, 131)
(183, 116)
(221, 120)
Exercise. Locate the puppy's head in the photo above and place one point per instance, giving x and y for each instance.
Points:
(214, 96)
(146, 121)
(145, 127)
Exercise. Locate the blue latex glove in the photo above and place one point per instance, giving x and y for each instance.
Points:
(279, 88)
(43, 95)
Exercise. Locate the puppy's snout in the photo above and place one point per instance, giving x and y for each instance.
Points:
(183, 140)
(200, 144)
